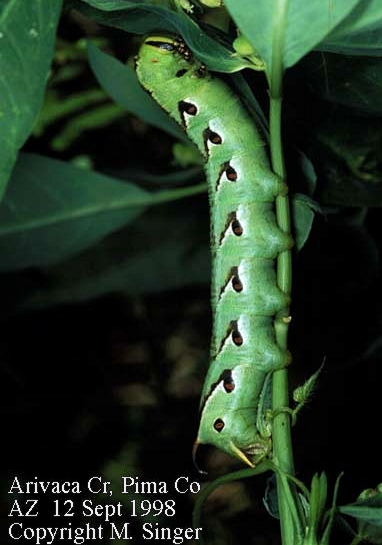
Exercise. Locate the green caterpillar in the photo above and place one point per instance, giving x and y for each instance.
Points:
(245, 242)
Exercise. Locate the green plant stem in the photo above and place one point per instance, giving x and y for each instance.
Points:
(290, 519)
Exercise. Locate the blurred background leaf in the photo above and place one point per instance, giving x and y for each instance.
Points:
(27, 37)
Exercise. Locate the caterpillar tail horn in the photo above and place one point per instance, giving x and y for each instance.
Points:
(239, 454)
(194, 449)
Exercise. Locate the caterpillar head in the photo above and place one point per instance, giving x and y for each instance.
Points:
(228, 418)
(160, 59)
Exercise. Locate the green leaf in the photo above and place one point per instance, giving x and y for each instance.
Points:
(367, 43)
(113, 5)
(351, 164)
(179, 177)
(53, 210)
(167, 247)
(317, 502)
(353, 81)
(370, 527)
(141, 18)
(366, 16)
(302, 204)
(367, 510)
(302, 393)
(303, 210)
(27, 37)
(240, 85)
(121, 83)
(262, 22)
(360, 33)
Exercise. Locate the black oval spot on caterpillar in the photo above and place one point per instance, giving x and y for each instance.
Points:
(236, 284)
(187, 108)
(228, 382)
(237, 339)
(233, 330)
(218, 425)
(231, 173)
(212, 137)
(236, 227)
(181, 72)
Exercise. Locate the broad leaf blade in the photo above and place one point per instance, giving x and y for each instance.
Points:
(53, 210)
(260, 21)
(365, 43)
(121, 82)
(368, 510)
(165, 248)
(360, 33)
(353, 81)
(140, 18)
(27, 37)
